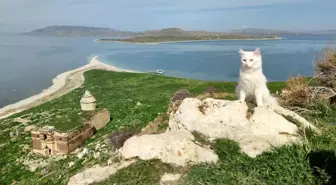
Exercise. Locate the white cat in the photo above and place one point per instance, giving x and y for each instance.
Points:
(252, 82)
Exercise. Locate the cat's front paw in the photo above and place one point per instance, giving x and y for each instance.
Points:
(260, 104)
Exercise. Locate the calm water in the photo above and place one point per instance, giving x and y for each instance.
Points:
(28, 64)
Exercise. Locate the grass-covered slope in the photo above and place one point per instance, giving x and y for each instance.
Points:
(143, 97)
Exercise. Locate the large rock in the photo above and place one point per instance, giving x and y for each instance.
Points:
(175, 147)
(266, 128)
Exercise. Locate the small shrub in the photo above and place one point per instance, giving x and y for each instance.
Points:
(297, 92)
(210, 90)
(325, 67)
(180, 95)
(177, 99)
(118, 138)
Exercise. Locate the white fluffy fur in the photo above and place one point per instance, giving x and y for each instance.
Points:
(252, 82)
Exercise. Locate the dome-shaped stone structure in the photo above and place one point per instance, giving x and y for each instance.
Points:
(88, 102)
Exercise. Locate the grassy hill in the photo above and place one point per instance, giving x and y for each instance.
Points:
(78, 31)
(121, 94)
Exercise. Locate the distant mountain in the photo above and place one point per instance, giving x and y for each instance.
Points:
(78, 31)
(95, 31)
(177, 32)
(267, 32)
(326, 32)
(263, 32)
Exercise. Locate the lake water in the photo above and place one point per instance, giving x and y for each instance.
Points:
(28, 64)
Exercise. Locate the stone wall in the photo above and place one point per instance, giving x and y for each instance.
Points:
(66, 143)
(100, 119)
(78, 140)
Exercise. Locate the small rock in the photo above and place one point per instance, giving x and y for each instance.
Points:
(17, 133)
(96, 155)
(138, 104)
(83, 153)
(97, 147)
(21, 120)
(71, 164)
(11, 134)
(109, 162)
(167, 178)
(30, 128)
(44, 172)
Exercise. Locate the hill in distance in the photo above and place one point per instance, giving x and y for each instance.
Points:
(96, 31)
(265, 32)
(78, 31)
(101, 31)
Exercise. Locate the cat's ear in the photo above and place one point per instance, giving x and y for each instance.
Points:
(241, 52)
(257, 51)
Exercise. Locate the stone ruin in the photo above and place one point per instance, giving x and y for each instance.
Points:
(47, 141)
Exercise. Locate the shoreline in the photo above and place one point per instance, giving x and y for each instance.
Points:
(62, 84)
(181, 41)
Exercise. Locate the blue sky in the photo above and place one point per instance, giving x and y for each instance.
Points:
(139, 15)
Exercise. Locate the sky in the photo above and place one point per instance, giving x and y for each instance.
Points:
(141, 15)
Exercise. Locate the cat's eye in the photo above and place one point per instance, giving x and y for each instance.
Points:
(244, 60)
(251, 60)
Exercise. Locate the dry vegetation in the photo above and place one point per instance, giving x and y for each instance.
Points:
(325, 67)
(301, 92)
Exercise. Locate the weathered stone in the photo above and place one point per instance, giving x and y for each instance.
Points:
(170, 179)
(83, 153)
(71, 164)
(100, 119)
(97, 173)
(30, 128)
(21, 120)
(266, 128)
(96, 155)
(17, 133)
(175, 147)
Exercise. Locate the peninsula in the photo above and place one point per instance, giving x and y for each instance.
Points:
(167, 39)
(150, 36)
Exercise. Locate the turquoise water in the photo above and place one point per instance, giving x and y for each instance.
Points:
(28, 64)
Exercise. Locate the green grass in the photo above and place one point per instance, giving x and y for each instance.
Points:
(142, 172)
(120, 93)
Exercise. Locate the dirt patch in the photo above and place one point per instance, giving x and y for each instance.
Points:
(159, 125)
(215, 95)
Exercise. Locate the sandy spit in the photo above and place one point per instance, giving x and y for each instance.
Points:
(62, 84)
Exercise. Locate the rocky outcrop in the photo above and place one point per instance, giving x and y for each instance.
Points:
(266, 127)
(175, 147)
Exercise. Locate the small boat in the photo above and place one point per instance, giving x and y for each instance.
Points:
(159, 72)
